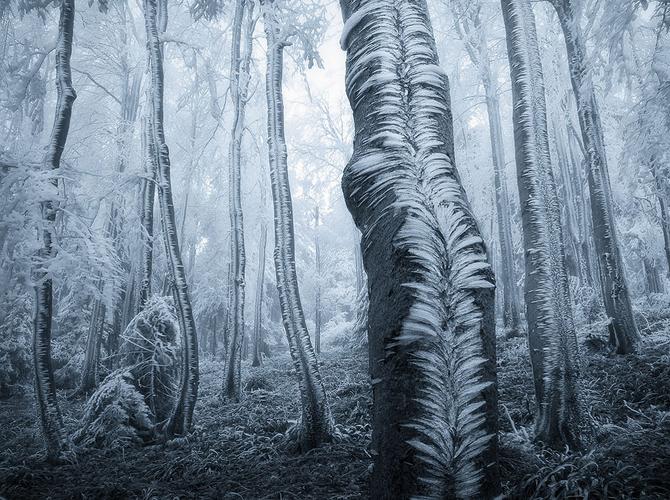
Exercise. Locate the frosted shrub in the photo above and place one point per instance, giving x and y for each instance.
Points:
(133, 403)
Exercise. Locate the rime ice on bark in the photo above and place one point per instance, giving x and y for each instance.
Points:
(180, 422)
(623, 331)
(45, 390)
(431, 337)
(239, 76)
(551, 331)
(316, 424)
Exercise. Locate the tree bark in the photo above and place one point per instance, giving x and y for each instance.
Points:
(239, 84)
(181, 419)
(147, 214)
(474, 38)
(317, 300)
(623, 331)
(45, 390)
(258, 309)
(316, 425)
(551, 331)
(431, 316)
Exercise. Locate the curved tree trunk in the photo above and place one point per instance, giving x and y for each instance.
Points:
(551, 332)
(431, 317)
(623, 331)
(239, 84)
(258, 309)
(180, 421)
(316, 425)
(45, 390)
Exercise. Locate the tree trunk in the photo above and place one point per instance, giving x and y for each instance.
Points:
(180, 421)
(258, 309)
(623, 331)
(317, 305)
(45, 390)
(316, 425)
(431, 317)
(147, 215)
(473, 33)
(551, 332)
(239, 84)
(89, 371)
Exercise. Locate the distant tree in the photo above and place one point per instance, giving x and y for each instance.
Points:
(473, 32)
(431, 318)
(622, 328)
(551, 331)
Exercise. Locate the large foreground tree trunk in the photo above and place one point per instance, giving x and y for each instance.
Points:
(551, 330)
(316, 424)
(45, 390)
(239, 84)
(431, 316)
(180, 421)
(623, 331)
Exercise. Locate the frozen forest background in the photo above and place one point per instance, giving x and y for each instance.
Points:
(302, 249)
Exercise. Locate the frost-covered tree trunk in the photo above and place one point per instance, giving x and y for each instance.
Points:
(45, 389)
(623, 331)
(239, 84)
(573, 204)
(551, 331)
(473, 33)
(180, 421)
(258, 308)
(317, 299)
(147, 213)
(89, 371)
(316, 425)
(431, 316)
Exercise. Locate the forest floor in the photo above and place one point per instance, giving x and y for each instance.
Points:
(237, 451)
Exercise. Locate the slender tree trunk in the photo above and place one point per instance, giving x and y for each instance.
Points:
(623, 331)
(45, 390)
(258, 309)
(431, 317)
(180, 421)
(239, 84)
(317, 305)
(316, 425)
(511, 314)
(473, 33)
(89, 371)
(551, 332)
(147, 215)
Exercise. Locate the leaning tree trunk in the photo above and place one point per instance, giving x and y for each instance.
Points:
(45, 390)
(551, 331)
(316, 425)
(239, 84)
(431, 317)
(180, 421)
(258, 308)
(623, 331)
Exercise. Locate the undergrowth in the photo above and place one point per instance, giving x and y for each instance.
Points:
(239, 451)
